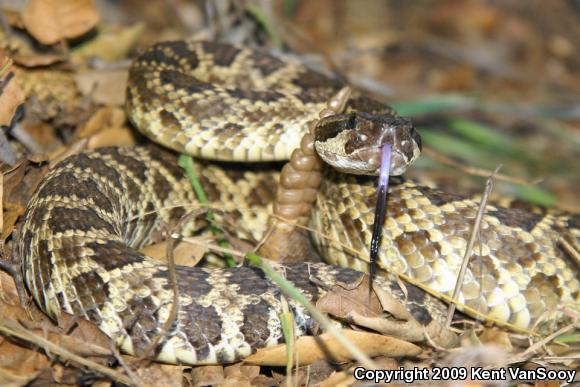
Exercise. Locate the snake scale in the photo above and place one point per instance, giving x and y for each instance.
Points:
(83, 226)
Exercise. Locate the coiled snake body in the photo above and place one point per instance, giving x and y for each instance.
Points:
(82, 227)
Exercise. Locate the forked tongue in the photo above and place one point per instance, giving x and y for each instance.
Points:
(380, 210)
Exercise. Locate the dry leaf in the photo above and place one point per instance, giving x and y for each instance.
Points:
(497, 337)
(11, 95)
(184, 253)
(311, 348)
(346, 377)
(8, 290)
(207, 375)
(104, 118)
(339, 379)
(19, 365)
(240, 375)
(343, 299)
(50, 21)
(105, 87)
(248, 371)
(310, 375)
(112, 137)
(109, 45)
(399, 322)
(82, 336)
(38, 60)
(106, 127)
(14, 196)
(17, 187)
(157, 374)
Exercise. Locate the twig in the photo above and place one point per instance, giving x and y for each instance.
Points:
(477, 171)
(469, 249)
(528, 352)
(571, 249)
(12, 328)
(170, 259)
(134, 377)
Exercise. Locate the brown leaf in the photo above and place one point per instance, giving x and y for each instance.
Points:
(50, 21)
(497, 337)
(19, 365)
(106, 127)
(8, 290)
(399, 322)
(38, 60)
(248, 371)
(11, 95)
(12, 202)
(111, 44)
(240, 375)
(81, 337)
(184, 253)
(106, 87)
(308, 375)
(311, 348)
(102, 119)
(343, 299)
(17, 186)
(346, 377)
(156, 374)
(207, 375)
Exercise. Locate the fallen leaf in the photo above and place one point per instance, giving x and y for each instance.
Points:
(240, 375)
(157, 374)
(311, 374)
(312, 348)
(50, 21)
(19, 365)
(248, 371)
(14, 196)
(104, 118)
(497, 337)
(81, 337)
(343, 299)
(207, 375)
(17, 186)
(346, 377)
(399, 322)
(38, 60)
(8, 291)
(109, 45)
(106, 127)
(184, 253)
(105, 87)
(53, 96)
(11, 95)
(122, 136)
(342, 378)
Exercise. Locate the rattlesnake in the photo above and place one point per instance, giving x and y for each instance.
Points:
(221, 102)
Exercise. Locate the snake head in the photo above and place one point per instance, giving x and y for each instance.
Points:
(351, 143)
